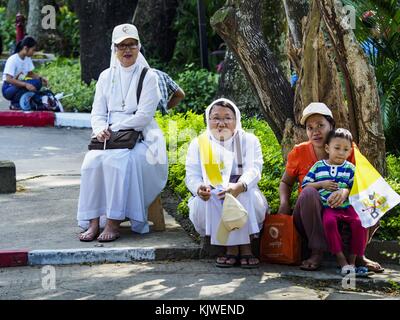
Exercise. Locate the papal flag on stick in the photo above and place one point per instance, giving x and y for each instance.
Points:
(371, 196)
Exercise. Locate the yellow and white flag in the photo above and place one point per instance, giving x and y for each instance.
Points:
(371, 196)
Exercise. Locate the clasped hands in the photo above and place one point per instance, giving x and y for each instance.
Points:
(338, 196)
(204, 192)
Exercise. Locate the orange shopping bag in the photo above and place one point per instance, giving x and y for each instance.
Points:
(280, 242)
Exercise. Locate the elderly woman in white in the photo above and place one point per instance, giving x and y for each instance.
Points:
(228, 152)
(119, 184)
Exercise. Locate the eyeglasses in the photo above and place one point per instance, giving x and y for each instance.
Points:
(225, 120)
(130, 46)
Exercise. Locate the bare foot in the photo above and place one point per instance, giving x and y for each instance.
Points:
(110, 232)
(371, 265)
(314, 262)
(91, 233)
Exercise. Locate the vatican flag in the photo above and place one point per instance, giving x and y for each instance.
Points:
(371, 196)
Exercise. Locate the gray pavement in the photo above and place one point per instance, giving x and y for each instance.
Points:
(179, 281)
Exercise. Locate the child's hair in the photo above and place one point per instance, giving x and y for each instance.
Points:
(25, 42)
(339, 133)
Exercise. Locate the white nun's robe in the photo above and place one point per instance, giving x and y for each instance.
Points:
(206, 215)
(122, 183)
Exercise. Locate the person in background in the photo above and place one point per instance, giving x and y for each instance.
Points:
(18, 75)
(171, 93)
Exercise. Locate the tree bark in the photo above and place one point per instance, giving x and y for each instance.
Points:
(154, 19)
(96, 22)
(15, 6)
(240, 28)
(360, 82)
(275, 31)
(233, 85)
(319, 79)
(34, 26)
(296, 11)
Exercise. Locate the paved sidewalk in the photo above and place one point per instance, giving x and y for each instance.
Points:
(182, 280)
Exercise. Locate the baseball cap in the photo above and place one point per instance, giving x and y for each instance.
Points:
(234, 216)
(315, 108)
(123, 32)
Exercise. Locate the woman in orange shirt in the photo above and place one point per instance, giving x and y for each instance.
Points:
(318, 120)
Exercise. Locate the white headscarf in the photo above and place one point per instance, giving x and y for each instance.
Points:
(115, 65)
(238, 116)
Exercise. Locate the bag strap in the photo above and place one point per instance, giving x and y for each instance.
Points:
(239, 156)
(140, 83)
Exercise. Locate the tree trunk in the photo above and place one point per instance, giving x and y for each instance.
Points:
(233, 85)
(360, 82)
(154, 19)
(34, 28)
(15, 6)
(296, 11)
(240, 28)
(96, 22)
(275, 31)
(296, 14)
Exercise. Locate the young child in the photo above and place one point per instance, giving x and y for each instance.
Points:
(333, 178)
(18, 76)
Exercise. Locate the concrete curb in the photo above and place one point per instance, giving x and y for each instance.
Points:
(109, 255)
(13, 258)
(73, 120)
(45, 119)
(96, 255)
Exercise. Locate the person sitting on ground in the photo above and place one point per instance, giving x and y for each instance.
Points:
(239, 158)
(18, 75)
(171, 93)
(120, 184)
(318, 121)
(333, 178)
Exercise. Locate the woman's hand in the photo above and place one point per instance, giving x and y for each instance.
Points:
(204, 192)
(329, 185)
(104, 135)
(284, 208)
(30, 87)
(234, 189)
(338, 197)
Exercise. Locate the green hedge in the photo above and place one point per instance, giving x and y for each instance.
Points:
(64, 75)
(189, 125)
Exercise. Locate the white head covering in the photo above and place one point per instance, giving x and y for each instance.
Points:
(238, 116)
(114, 63)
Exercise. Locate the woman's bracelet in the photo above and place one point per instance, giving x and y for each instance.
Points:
(244, 186)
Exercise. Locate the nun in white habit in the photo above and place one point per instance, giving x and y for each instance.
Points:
(119, 184)
(236, 157)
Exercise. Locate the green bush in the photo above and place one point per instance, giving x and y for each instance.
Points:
(199, 86)
(7, 30)
(68, 29)
(64, 75)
